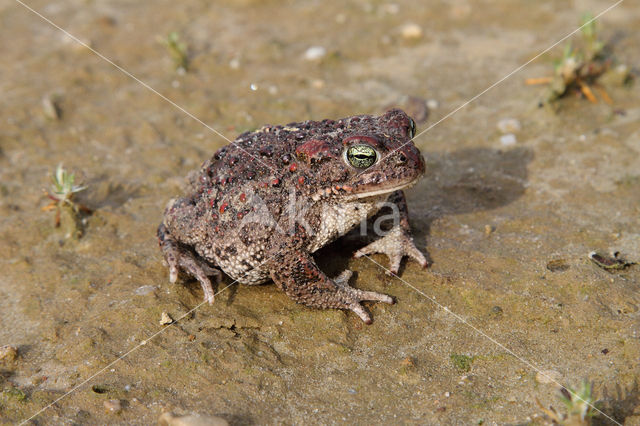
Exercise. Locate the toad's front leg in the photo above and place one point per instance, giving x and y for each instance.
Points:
(297, 274)
(397, 243)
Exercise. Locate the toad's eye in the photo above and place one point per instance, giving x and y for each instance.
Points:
(361, 156)
(412, 128)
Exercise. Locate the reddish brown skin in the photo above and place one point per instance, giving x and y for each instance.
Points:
(213, 226)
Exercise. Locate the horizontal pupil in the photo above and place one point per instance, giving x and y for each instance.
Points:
(361, 157)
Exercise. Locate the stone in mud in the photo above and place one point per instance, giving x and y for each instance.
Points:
(170, 419)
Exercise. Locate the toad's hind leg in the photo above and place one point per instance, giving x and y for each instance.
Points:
(298, 275)
(179, 257)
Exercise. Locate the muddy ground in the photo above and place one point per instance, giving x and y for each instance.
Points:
(490, 215)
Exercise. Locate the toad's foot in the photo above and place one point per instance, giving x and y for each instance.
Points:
(296, 273)
(178, 258)
(396, 245)
(355, 296)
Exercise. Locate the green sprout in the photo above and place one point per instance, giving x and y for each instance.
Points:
(579, 405)
(178, 51)
(462, 362)
(567, 66)
(63, 188)
(579, 402)
(593, 46)
(14, 393)
(580, 67)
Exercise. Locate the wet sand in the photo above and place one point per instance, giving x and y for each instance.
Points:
(491, 216)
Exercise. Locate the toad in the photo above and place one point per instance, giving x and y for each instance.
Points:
(261, 206)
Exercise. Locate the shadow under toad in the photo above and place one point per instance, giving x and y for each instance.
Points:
(460, 182)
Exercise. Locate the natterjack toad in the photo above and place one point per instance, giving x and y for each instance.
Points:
(261, 206)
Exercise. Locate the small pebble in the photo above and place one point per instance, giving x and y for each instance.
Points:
(317, 84)
(432, 103)
(508, 140)
(106, 21)
(408, 362)
(616, 76)
(411, 31)
(488, 229)
(414, 106)
(170, 419)
(315, 53)
(51, 108)
(548, 376)
(558, 265)
(509, 125)
(165, 319)
(496, 311)
(447, 394)
(113, 406)
(8, 353)
(622, 69)
(234, 64)
(417, 108)
(144, 290)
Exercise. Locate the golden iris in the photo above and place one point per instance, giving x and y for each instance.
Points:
(361, 156)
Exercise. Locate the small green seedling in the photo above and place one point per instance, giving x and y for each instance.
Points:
(462, 362)
(178, 51)
(579, 406)
(580, 66)
(593, 46)
(63, 188)
(14, 393)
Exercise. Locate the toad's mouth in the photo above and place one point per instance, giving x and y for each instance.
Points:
(383, 191)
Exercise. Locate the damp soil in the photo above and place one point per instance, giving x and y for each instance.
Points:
(508, 225)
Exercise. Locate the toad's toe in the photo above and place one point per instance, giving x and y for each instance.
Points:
(178, 258)
(361, 312)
